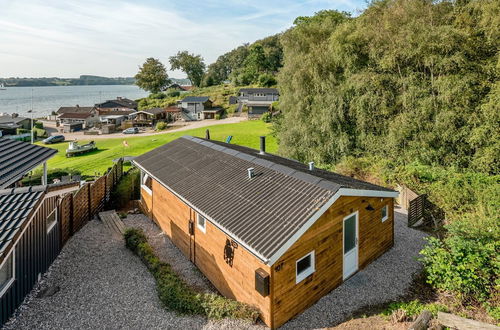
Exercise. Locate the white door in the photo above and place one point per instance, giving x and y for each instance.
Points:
(350, 244)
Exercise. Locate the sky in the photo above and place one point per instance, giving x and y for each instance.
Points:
(67, 38)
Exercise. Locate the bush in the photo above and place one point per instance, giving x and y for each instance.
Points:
(266, 117)
(267, 80)
(414, 308)
(39, 133)
(466, 262)
(127, 189)
(157, 96)
(160, 126)
(38, 124)
(176, 294)
(173, 93)
(22, 131)
(218, 116)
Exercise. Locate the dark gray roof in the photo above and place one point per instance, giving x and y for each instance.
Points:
(153, 111)
(9, 119)
(259, 90)
(76, 109)
(17, 158)
(196, 99)
(262, 213)
(16, 205)
(118, 103)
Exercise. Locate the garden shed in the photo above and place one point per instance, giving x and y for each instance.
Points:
(265, 230)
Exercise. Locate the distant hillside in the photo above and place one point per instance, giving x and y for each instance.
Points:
(82, 80)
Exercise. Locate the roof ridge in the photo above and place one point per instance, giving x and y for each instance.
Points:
(306, 177)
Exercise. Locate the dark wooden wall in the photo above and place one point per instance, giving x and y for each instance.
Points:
(34, 253)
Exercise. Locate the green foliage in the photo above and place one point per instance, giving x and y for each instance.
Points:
(467, 261)
(39, 132)
(173, 93)
(267, 80)
(127, 189)
(158, 96)
(152, 76)
(218, 116)
(176, 294)
(191, 64)
(22, 131)
(409, 80)
(38, 124)
(266, 117)
(161, 125)
(414, 308)
(52, 173)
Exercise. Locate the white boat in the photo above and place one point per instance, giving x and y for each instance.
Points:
(2, 87)
(76, 149)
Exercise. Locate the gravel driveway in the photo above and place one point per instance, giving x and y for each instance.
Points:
(102, 285)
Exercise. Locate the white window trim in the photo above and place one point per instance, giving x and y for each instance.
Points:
(202, 228)
(386, 212)
(55, 222)
(11, 281)
(144, 177)
(300, 277)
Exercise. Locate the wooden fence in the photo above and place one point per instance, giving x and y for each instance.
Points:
(420, 209)
(76, 209)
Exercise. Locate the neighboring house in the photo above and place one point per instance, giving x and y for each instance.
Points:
(115, 117)
(265, 230)
(20, 122)
(193, 106)
(150, 116)
(18, 158)
(30, 240)
(173, 113)
(120, 104)
(87, 116)
(258, 100)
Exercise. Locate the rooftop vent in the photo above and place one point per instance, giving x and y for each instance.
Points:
(251, 172)
(262, 145)
(311, 166)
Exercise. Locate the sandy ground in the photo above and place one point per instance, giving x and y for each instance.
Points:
(51, 129)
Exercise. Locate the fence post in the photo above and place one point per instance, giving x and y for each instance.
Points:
(71, 216)
(90, 201)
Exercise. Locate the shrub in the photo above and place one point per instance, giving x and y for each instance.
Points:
(22, 131)
(39, 133)
(157, 96)
(173, 93)
(414, 308)
(176, 294)
(267, 80)
(160, 126)
(218, 116)
(127, 189)
(38, 124)
(266, 117)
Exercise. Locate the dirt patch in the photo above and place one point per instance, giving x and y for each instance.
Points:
(372, 322)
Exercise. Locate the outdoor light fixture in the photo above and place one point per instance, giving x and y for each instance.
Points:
(369, 208)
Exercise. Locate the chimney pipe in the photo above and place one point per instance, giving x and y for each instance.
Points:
(262, 145)
(250, 173)
(311, 166)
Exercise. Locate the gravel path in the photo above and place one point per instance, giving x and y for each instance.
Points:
(103, 285)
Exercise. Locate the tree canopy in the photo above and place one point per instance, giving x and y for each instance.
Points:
(152, 76)
(409, 80)
(192, 65)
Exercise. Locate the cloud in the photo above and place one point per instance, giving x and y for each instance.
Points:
(113, 37)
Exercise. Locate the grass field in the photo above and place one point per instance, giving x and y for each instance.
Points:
(96, 162)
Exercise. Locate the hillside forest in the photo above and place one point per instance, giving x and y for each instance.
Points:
(407, 92)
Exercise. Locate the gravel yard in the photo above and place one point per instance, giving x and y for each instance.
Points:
(103, 285)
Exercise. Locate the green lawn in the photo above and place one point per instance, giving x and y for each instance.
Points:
(245, 133)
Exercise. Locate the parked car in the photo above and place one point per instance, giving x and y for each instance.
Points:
(131, 130)
(54, 139)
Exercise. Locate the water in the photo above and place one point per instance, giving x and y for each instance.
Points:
(50, 98)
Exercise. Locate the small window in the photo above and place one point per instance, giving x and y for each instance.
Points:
(385, 213)
(147, 183)
(51, 220)
(305, 267)
(201, 222)
(6, 273)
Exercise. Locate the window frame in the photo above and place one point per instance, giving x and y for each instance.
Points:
(204, 227)
(386, 208)
(306, 272)
(54, 223)
(9, 283)
(144, 177)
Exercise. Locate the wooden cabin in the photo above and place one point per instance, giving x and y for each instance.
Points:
(265, 230)
(30, 240)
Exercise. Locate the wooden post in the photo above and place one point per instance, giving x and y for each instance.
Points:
(460, 323)
(90, 201)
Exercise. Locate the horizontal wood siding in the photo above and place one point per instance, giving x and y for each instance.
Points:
(34, 253)
(206, 250)
(325, 238)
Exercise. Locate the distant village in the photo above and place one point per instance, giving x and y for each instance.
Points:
(122, 113)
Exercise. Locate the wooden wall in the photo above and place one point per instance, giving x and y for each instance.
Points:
(325, 238)
(206, 250)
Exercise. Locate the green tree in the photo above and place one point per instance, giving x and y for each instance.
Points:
(192, 65)
(152, 76)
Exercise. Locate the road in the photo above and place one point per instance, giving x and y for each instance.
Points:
(51, 129)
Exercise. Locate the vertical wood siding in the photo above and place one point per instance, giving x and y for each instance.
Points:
(34, 253)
